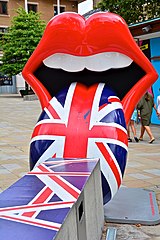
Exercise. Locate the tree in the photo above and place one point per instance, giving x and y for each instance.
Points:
(132, 10)
(20, 40)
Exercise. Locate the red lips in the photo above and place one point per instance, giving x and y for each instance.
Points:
(70, 33)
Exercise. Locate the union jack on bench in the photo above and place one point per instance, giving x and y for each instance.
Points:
(84, 122)
(38, 203)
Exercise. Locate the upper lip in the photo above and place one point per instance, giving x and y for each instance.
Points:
(70, 35)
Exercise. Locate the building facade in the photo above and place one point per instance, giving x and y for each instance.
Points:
(47, 8)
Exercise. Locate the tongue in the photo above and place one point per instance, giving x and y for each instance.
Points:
(79, 122)
(84, 122)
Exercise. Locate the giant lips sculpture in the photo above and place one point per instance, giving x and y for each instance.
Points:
(88, 75)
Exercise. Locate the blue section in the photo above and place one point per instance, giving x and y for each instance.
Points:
(78, 182)
(28, 186)
(61, 96)
(10, 230)
(120, 155)
(43, 116)
(107, 92)
(59, 215)
(116, 116)
(37, 148)
(106, 190)
(155, 52)
(55, 198)
(74, 166)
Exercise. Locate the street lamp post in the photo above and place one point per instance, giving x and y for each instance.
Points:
(26, 6)
(58, 6)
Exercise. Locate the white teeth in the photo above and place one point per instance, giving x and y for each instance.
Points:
(98, 62)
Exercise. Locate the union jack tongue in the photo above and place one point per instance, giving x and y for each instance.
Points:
(84, 122)
(79, 122)
(79, 116)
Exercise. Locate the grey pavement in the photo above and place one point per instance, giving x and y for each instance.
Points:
(17, 120)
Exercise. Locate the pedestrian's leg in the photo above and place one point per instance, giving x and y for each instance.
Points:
(142, 133)
(134, 130)
(148, 130)
(128, 132)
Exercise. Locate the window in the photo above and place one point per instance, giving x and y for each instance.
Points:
(3, 29)
(62, 9)
(3, 7)
(32, 7)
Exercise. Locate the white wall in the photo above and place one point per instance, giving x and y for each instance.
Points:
(20, 82)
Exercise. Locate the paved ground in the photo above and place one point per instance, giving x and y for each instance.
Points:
(17, 120)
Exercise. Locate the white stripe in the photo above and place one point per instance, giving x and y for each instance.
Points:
(45, 137)
(49, 121)
(106, 110)
(116, 125)
(64, 112)
(71, 160)
(36, 197)
(105, 168)
(68, 101)
(114, 160)
(58, 108)
(36, 208)
(113, 97)
(62, 179)
(59, 191)
(96, 114)
(109, 140)
(95, 106)
(56, 147)
(36, 222)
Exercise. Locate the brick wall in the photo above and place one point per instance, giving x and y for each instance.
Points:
(46, 7)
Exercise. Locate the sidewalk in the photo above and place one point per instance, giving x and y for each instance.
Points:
(17, 120)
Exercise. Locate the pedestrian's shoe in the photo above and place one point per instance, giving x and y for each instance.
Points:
(140, 139)
(136, 139)
(129, 140)
(152, 140)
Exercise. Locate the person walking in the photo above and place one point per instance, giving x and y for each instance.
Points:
(146, 105)
(132, 126)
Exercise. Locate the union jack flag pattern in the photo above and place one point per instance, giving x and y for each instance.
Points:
(36, 206)
(83, 122)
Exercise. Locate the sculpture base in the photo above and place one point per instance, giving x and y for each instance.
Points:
(134, 206)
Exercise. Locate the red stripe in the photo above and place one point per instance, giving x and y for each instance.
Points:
(79, 140)
(114, 99)
(54, 129)
(53, 112)
(60, 183)
(34, 206)
(30, 222)
(151, 203)
(61, 173)
(110, 162)
(102, 106)
(41, 199)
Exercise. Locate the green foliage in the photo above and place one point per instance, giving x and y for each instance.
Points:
(20, 41)
(132, 10)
